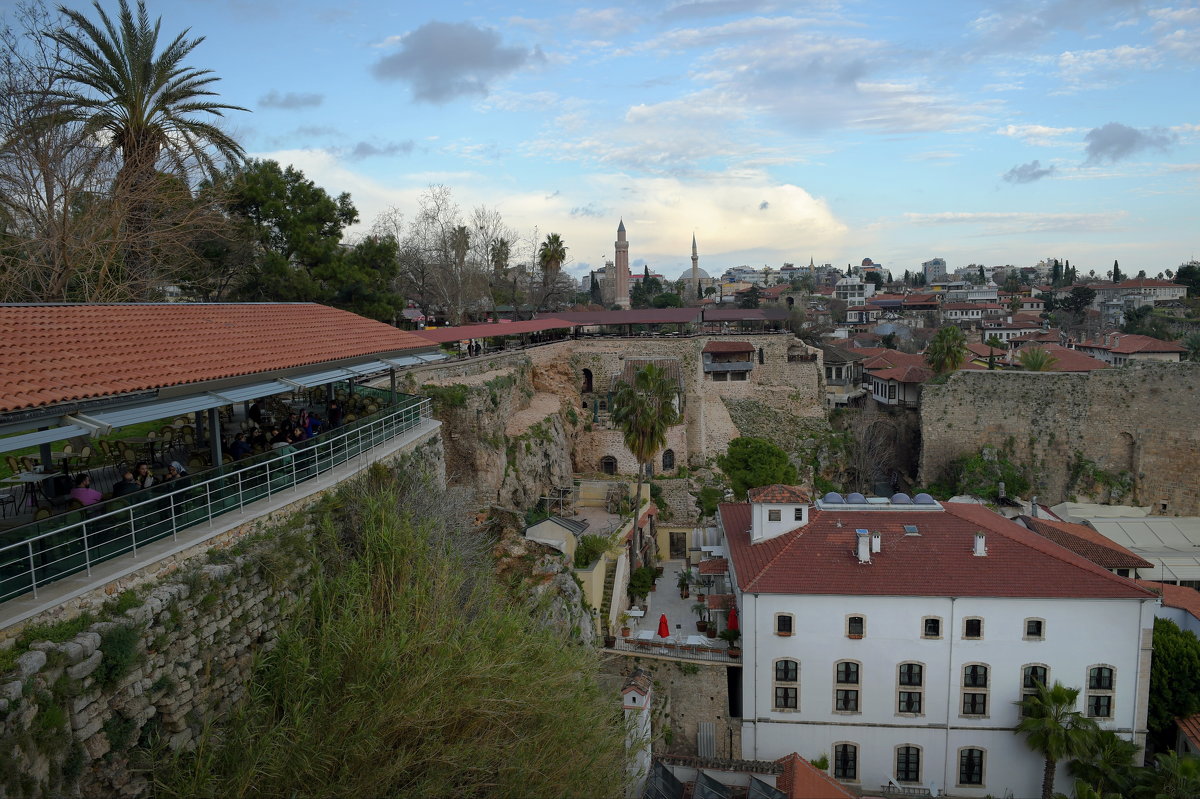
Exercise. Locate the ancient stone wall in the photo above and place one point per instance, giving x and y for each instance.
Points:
(1133, 421)
(164, 662)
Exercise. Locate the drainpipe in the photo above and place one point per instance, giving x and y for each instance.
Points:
(950, 635)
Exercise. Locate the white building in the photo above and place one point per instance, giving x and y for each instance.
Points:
(897, 636)
(853, 290)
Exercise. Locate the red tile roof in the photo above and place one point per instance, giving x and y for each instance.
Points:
(1147, 282)
(1176, 596)
(802, 780)
(1083, 540)
(1190, 727)
(1066, 360)
(904, 374)
(464, 332)
(714, 566)
(819, 558)
(1128, 344)
(719, 601)
(728, 346)
(63, 353)
(778, 493)
(982, 350)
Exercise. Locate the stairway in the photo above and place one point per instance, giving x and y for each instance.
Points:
(592, 493)
(610, 577)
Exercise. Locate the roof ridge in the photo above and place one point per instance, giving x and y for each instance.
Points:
(796, 534)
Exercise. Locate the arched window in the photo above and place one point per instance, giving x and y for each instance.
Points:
(668, 460)
(970, 766)
(787, 685)
(587, 381)
(845, 761)
(1100, 691)
(791, 301)
(847, 681)
(908, 763)
(975, 690)
(1032, 675)
(608, 464)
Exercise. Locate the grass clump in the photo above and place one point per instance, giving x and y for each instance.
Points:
(410, 673)
(122, 651)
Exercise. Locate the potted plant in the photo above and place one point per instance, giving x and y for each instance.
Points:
(700, 586)
(641, 582)
(623, 620)
(730, 637)
(684, 582)
(610, 640)
(701, 623)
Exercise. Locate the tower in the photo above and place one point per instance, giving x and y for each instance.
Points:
(621, 284)
(695, 270)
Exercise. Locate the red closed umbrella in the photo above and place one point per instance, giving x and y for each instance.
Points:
(664, 629)
(733, 619)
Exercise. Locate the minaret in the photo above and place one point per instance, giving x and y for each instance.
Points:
(695, 271)
(622, 268)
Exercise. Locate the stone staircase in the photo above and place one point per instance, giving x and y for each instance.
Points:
(610, 577)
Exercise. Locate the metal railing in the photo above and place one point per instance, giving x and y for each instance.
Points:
(713, 652)
(36, 554)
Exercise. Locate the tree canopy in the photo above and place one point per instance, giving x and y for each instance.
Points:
(1174, 676)
(948, 350)
(753, 462)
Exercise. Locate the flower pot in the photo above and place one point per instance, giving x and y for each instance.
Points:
(625, 632)
(658, 572)
(610, 641)
(683, 594)
(711, 632)
(734, 651)
(701, 626)
(699, 597)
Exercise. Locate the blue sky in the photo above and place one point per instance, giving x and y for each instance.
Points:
(985, 132)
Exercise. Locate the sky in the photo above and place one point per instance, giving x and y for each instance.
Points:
(1001, 132)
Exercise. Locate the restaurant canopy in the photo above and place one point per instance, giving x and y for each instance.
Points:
(69, 370)
(446, 335)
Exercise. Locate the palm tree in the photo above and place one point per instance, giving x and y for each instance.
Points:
(1173, 777)
(551, 255)
(144, 103)
(1107, 766)
(1036, 359)
(1054, 728)
(1192, 342)
(643, 411)
(948, 350)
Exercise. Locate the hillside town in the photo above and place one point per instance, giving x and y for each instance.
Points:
(308, 494)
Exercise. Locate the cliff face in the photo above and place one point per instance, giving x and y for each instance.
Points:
(509, 432)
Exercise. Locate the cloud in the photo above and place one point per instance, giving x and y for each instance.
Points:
(587, 210)
(444, 60)
(693, 9)
(366, 149)
(1007, 223)
(1028, 173)
(1115, 141)
(764, 205)
(1100, 69)
(291, 100)
(1022, 25)
(1038, 135)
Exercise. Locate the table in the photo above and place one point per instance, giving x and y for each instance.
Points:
(31, 481)
(66, 458)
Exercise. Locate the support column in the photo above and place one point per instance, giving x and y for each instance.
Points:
(392, 380)
(44, 455)
(214, 435)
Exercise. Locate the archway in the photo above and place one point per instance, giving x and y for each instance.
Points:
(608, 464)
(587, 381)
(668, 460)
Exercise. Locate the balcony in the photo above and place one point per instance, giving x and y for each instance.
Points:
(34, 555)
(729, 366)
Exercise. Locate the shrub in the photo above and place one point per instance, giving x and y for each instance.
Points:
(589, 549)
(122, 651)
(640, 582)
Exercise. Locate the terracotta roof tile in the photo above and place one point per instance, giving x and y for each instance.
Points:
(1128, 344)
(63, 353)
(1190, 727)
(1066, 360)
(719, 601)
(778, 493)
(819, 557)
(728, 346)
(1083, 540)
(464, 332)
(714, 566)
(1176, 596)
(802, 780)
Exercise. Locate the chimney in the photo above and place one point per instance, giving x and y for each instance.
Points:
(980, 545)
(1033, 507)
(876, 542)
(864, 546)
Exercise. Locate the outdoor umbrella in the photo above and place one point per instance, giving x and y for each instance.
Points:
(733, 619)
(664, 629)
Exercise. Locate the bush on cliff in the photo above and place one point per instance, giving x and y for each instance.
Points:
(410, 673)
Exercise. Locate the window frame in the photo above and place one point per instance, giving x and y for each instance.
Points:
(969, 687)
(798, 514)
(1095, 694)
(967, 620)
(911, 751)
(982, 767)
(785, 685)
(1041, 635)
(774, 514)
(852, 749)
(862, 621)
(847, 690)
(913, 690)
(924, 631)
(791, 623)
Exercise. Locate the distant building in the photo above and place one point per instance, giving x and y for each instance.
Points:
(934, 270)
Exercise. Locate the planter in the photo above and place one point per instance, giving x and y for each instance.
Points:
(625, 632)
(684, 594)
(734, 651)
(610, 641)
(699, 597)
(711, 632)
(658, 572)
(701, 626)
(653, 588)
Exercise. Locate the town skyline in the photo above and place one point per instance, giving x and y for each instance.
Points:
(985, 133)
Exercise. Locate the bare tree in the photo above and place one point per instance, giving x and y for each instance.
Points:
(873, 440)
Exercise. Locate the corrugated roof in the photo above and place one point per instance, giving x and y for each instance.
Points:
(1085, 541)
(61, 353)
(820, 558)
(746, 314)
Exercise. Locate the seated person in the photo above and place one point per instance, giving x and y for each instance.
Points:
(143, 475)
(255, 413)
(240, 447)
(297, 435)
(172, 473)
(314, 425)
(277, 437)
(126, 485)
(83, 491)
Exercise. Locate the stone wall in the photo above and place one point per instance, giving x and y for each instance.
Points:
(165, 661)
(1134, 420)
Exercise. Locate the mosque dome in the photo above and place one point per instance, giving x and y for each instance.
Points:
(687, 274)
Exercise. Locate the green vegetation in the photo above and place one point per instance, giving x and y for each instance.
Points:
(641, 580)
(409, 673)
(1085, 475)
(122, 651)
(753, 462)
(708, 499)
(948, 350)
(590, 548)
(1174, 679)
(980, 475)
(1054, 728)
(1036, 359)
(446, 396)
